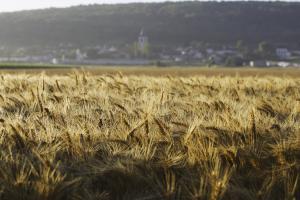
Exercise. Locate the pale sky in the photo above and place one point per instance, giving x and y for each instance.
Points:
(15, 5)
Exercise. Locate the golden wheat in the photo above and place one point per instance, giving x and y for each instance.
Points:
(85, 136)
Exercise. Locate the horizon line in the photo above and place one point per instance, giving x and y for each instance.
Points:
(144, 2)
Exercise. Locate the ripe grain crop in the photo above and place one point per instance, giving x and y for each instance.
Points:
(85, 136)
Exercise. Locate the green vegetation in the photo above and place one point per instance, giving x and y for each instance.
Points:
(164, 23)
(13, 66)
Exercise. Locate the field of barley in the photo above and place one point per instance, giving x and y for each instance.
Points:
(96, 137)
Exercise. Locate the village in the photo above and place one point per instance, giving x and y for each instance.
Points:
(143, 52)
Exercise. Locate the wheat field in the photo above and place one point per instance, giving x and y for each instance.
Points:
(85, 136)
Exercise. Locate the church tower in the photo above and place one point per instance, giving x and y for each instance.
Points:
(143, 43)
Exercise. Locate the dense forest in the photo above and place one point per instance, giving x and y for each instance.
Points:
(164, 23)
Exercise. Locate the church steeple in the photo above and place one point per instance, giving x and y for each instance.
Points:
(143, 43)
(142, 32)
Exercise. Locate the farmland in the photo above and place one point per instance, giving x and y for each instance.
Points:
(168, 133)
(150, 70)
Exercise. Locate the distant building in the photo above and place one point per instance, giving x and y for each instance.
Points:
(198, 55)
(79, 55)
(54, 61)
(283, 53)
(258, 63)
(284, 64)
(209, 51)
(142, 40)
(142, 46)
(178, 59)
(112, 49)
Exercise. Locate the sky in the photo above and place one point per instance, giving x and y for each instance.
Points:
(16, 5)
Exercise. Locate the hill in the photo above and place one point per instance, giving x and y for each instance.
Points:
(164, 23)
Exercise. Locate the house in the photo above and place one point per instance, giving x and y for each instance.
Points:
(284, 64)
(178, 59)
(258, 63)
(79, 55)
(54, 61)
(283, 53)
(198, 55)
(112, 49)
(209, 51)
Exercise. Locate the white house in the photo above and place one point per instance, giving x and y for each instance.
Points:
(283, 53)
(79, 56)
(54, 61)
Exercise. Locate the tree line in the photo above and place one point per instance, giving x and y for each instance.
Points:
(167, 23)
